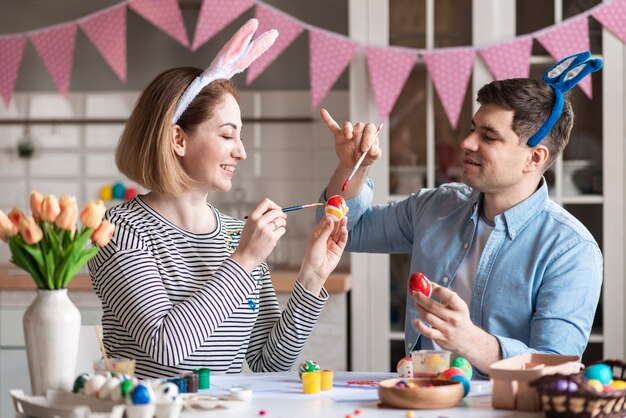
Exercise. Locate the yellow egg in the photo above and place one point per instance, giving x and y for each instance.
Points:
(618, 384)
(106, 192)
(595, 383)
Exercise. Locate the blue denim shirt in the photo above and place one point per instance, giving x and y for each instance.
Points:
(538, 280)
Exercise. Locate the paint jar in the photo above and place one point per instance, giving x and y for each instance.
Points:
(327, 379)
(311, 382)
(429, 363)
(204, 378)
(192, 382)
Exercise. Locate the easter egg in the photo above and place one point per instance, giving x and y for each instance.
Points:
(596, 384)
(118, 190)
(140, 395)
(106, 192)
(618, 384)
(94, 384)
(307, 366)
(126, 387)
(564, 385)
(107, 389)
(464, 365)
(452, 371)
(405, 367)
(80, 382)
(336, 208)
(600, 372)
(464, 381)
(130, 193)
(418, 282)
(166, 392)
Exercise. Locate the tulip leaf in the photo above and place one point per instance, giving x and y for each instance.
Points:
(25, 259)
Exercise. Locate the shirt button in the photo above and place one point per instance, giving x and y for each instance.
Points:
(445, 280)
(513, 233)
(465, 245)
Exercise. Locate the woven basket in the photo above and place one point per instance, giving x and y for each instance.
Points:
(586, 402)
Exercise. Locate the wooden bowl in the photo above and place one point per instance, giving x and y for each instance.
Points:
(427, 394)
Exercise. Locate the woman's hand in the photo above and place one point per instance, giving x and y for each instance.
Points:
(264, 227)
(323, 253)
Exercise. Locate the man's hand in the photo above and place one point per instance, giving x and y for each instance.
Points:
(351, 142)
(452, 328)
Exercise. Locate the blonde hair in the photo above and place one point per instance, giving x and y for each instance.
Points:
(144, 152)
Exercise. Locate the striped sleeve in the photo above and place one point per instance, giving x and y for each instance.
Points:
(128, 282)
(278, 338)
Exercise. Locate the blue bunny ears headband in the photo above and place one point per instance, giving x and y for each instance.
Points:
(562, 76)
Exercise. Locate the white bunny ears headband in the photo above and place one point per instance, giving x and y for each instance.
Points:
(562, 76)
(233, 58)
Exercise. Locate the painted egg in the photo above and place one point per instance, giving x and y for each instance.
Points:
(336, 208)
(564, 385)
(601, 372)
(618, 384)
(307, 366)
(166, 392)
(80, 382)
(464, 381)
(107, 389)
(106, 192)
(140, 395)
(452, 371)
(118, 190)
(126, 387)
(594, 383)
(418, 282)
(405, 367)
(94, 384)
(464, 365)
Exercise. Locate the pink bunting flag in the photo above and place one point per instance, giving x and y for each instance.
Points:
(288, 31)
(329, 55)
(613, 17)
(214, 16)
(165, 15)
(508, 60)
(566, 39)
(388, 70)
(450, 72)
(107, 32)
(56, 49)
(11, 51)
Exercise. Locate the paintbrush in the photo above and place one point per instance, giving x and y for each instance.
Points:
(107, 364)
(298, 207)
(358, 164)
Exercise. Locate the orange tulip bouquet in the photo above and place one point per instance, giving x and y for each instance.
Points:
(47, 244)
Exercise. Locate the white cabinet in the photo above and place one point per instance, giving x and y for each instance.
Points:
(419, 149)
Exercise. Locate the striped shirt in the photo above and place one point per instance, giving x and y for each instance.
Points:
(175, 301)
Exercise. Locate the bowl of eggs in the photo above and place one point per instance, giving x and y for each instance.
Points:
(420, 393)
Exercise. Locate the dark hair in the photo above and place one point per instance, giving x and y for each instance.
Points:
(532, 102)
(144, 152)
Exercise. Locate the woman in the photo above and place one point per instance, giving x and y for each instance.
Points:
(182, 285)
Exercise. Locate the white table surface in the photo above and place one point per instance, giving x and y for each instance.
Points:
(280, 396)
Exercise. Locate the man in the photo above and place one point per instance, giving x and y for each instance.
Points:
(513, 271)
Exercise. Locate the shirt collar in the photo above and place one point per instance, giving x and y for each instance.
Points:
(520, 215)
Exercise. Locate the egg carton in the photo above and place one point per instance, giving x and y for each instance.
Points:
(62, 404)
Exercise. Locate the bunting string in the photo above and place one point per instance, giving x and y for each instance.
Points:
(389, 66)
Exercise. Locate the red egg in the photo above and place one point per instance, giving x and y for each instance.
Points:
(418, 282)
(336, 201)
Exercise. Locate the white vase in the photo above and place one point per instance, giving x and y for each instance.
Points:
(51, 332)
